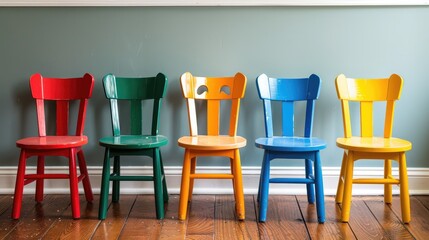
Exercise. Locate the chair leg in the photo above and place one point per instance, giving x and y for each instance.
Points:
(116, 183)
(74, 190)
(184, 188)
(40, 181)
(320, 196)
(19, 186)
(342, 178)
(347, 195)
(231, 165)
(403, 188)
(308, 174)
(260, 177)
(164, 181)
(105, 182)
(264, 182)
(238, 186)
(159, 201)
(85, 181)
(191, 181)
(387, 187)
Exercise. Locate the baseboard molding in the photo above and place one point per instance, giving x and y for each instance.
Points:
(417, 177)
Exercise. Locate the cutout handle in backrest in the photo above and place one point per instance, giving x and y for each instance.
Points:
(61, 90)
(288, 91)
(367, 91)
(213, 90)
(135, 90)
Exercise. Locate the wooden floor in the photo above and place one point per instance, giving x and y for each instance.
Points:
(212, 217)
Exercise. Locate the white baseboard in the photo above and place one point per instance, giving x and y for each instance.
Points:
(417, 177)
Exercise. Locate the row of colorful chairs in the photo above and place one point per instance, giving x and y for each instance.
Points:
(213, 90)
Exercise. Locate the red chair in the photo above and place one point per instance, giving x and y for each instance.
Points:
(62, 91)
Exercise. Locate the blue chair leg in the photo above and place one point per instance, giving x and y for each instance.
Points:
(116, 172)
(320, 196)
(308, 175)
(260, 178)
(264, 188)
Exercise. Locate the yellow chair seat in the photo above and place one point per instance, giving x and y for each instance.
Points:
(203, 142)
(374, 144)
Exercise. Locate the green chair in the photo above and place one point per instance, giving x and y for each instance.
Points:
(135, 91)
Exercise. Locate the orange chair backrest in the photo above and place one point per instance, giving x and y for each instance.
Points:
(366, 92)
(62, 91)
(213, 90)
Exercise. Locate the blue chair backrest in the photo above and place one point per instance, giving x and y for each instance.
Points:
(288, 91)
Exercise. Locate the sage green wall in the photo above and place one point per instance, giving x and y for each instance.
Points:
(214, 41)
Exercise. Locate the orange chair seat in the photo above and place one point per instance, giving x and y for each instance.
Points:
(374, 144)
(52, 142)
(204, 142)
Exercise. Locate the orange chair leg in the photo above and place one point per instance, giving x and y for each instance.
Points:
(74, 190)
(184, 189)
(238, 187)
(191, 181)
(85, 181)
(340, 188)
(403, 186)
(19, 186)
(387, 187)
(347, 196)
(40, 181)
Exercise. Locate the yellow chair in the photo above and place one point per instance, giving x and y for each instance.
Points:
(213, 90)
(367, 146)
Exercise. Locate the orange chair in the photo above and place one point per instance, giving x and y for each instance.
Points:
(368, 146)
(213, 90)
(62, 91)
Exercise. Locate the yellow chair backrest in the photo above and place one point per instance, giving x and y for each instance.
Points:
(213, 89)
(367, 91)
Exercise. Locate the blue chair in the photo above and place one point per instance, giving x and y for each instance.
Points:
(289, 146)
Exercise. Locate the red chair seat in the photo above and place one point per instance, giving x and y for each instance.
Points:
(52, 142)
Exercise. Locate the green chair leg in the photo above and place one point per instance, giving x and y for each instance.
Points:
(116, 172)
(164, 182)
(105, 182)
(158, 186)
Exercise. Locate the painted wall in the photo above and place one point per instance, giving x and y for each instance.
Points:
(214, 41)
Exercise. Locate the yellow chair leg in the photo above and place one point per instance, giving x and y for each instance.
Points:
(184, 189)
(238, 186)
(348, 182)
(387, 187)
(403, 187)
(340, 188)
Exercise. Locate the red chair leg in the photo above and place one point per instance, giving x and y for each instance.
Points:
(74, 190)
(19, 186)
(85, 181)
(40, 181)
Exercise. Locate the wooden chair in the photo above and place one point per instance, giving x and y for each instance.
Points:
(368, 146)
(135, 91)
(287, 91)
(62, 91)
(213, 90)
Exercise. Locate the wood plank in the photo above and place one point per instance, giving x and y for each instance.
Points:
(65, 227)
(142, 222)
(172, 228)
(284, 219)
(6, 202)
(201, 216)
(424, 200)
(419, 225)
(227, 226)
(40, 218)
(117, 214)
(7, 224)
(333, 228)
(391, 224)
(363, 223)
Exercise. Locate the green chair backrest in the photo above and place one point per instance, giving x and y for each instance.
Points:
(135, 90)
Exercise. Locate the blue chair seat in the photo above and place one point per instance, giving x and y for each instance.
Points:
(290, 144)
